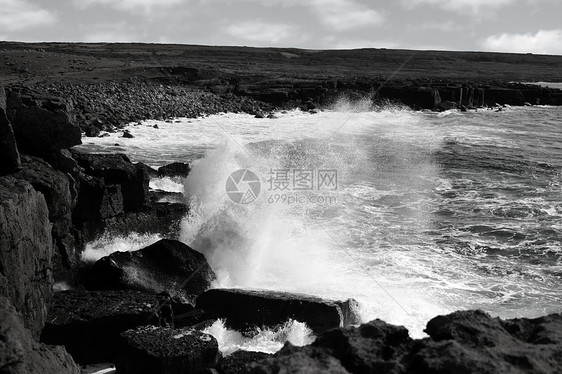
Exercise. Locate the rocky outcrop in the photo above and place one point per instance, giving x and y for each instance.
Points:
(88, 324)
(165, 266)
(118, 170)
(175, 169)
(247, 309)
(21, 354)
(9, 154)
(26, 251)
(55, 187)
(155, 350)
(41, 122)
(291, 359)
(238, 361)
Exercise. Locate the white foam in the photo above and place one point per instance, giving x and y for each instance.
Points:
(106, 245)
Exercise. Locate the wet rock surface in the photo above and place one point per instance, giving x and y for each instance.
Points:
(9, 154)
(152, 349)
(26, 251)
(238, 361)
(246, 309)
(165, 266)
(175, 169)
(88, 324)
(21, 354)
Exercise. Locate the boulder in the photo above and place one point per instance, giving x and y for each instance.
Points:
(41, 123)
(239, 361)
(21, 354)
(161, 350)
(175, 169)
(96, 200)
(9, 155)
(88, 324)
(55, 187)
(473, 342)
(165, 266)
(26, 251)
(291, 359)
(370, 348)
(247, 309)
(119, 170)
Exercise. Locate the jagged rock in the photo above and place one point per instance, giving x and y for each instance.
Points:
(88, 324)
(21, 354)
(291, 359)
(160, 218)
(239, 361)
(175, 169)
(118, 170)
(127, 134)
(166, 265)
(370, 348)
(246, 309)
(26, 250)
(41, 123)
(473, 342)
(9, 155)
(154, 350)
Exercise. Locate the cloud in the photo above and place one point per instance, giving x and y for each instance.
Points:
(344, 15)
(112, 32)
(473, 7)
(20, 14)
(440, 26)
(265, 33)
(146, 7)
(543, 41)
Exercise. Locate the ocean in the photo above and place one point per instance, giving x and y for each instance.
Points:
(413, 214)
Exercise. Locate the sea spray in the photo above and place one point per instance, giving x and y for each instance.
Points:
(107, 244)
(262, 340)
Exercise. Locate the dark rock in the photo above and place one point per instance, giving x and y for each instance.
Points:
(161, 218)
(156, 127)
(127, 134)
(55, 187)
(291, 359)
(175, 169)
(152, 173)
(259, 114)
(88, 324)
(41, 123)
(9, 155)
(26, 251)
(370, 348)
(166, 197)
(166, 265)
(21, 354)
(239, 361)
(96, 200)
(118, 170)
(90, 131)
(473, 342)
(246, 309)
(447, 105)
(153, 350)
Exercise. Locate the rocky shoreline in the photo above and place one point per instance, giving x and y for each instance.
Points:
(147, 311)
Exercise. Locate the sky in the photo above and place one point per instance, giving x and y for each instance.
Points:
(522, 26)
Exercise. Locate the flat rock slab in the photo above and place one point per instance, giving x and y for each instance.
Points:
(88, 324)
(154, 350)
(246, 309)
(165, 266)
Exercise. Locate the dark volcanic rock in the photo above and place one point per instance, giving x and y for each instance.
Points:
(239, 361)
(26, 250)
(473, 342)
(291, 359)
(9, 155)
(165, 266)
(154, 350)
(118, 170)
(245, 309)
(41, 122)
(175, 169)
(20, 354)
(370, 348)
(88, 324)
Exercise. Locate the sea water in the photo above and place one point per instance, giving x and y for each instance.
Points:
(413, 214)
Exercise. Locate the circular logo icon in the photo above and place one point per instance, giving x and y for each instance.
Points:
(243, 186)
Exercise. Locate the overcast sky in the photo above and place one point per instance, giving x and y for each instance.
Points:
(475, 25)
